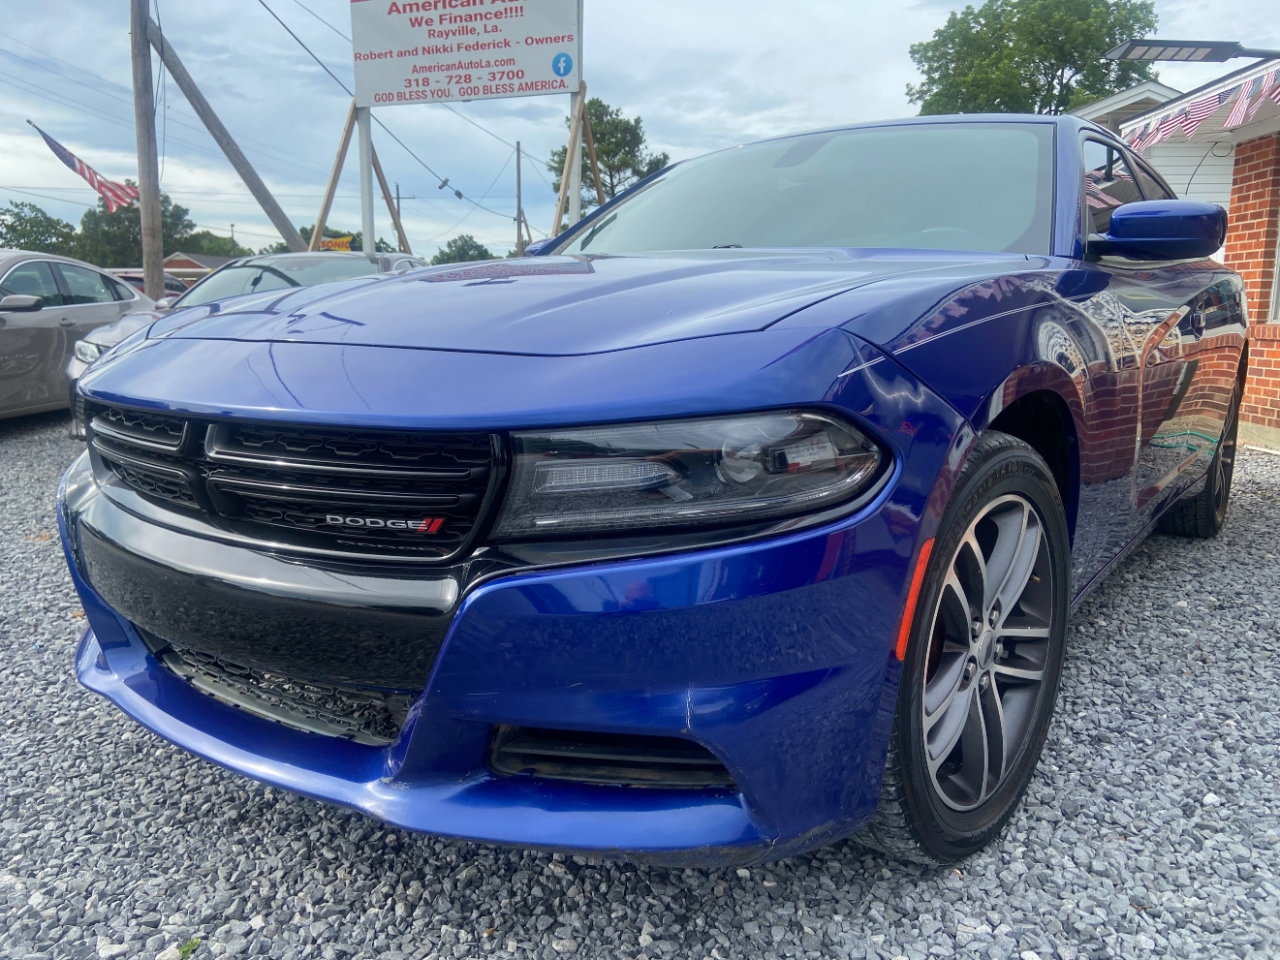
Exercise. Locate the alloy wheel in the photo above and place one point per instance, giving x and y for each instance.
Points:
(989, 651)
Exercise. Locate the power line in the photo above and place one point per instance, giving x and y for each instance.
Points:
(449, 107)
(164, 98)
(77, 104)
(45, 196)
(492, 183)
(443, 180)
(323, 20)
(92, 206)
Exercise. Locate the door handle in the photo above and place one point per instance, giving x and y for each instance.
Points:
(66, 322)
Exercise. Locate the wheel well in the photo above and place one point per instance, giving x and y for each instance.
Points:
(1042, 421)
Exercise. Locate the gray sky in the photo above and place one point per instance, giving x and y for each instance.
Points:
(702, 75)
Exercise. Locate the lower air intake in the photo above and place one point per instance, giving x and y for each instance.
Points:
(620, 760)
(363, 716)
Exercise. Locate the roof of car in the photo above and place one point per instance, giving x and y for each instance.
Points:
(6, 254)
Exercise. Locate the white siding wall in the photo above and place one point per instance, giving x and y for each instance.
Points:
(1178, 163)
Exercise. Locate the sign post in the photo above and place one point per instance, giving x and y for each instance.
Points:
(366, 181)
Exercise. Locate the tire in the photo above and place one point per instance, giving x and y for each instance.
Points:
(1203, 515)
(980, 677)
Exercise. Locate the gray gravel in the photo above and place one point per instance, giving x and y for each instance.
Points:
(1153, 828)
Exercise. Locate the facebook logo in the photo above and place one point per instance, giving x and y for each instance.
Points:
(562, 64)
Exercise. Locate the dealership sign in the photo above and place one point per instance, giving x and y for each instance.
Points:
(442, 50)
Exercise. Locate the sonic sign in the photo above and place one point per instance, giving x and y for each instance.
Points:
(442, 50)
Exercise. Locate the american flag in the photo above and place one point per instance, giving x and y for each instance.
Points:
(1275, 91)
(1095, 188)
(1200, 111)
(1236, 116)
(1147, 136)
(1166, 126)
(1267, 81)
(116, 195)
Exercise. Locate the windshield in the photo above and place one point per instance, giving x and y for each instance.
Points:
(936, 186)
(264, 275)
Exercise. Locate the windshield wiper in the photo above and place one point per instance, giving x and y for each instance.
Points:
(591, 234)
(726, 246)
(279, 273)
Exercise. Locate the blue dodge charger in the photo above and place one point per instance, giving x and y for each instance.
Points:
(745, 516)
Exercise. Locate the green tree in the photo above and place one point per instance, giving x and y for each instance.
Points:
(1029, 56)
(620, 151)
(213, 245)
(460, 249)
(115, 239)
(24, 226)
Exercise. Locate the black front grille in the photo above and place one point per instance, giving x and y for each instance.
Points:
(371, 717)
(386, 493)
(150, 430)
(617, 759)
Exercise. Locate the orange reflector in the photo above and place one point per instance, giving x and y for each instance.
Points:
(909, 611)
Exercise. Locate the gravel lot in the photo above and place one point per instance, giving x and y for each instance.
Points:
(1152, 829)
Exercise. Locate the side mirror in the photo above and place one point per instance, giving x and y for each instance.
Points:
(535, 248)
(164, 303)
(20, 303)
(1162, 230)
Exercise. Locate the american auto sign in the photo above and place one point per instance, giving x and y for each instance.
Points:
(442, 50)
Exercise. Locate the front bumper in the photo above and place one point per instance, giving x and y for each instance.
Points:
(773, 655)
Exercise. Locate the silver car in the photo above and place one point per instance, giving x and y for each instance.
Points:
(234, 281)
(47, 304)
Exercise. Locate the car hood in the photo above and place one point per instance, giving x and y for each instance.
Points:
(112, 333)
(567, 306)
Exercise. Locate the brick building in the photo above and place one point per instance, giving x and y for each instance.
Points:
(1221, 142)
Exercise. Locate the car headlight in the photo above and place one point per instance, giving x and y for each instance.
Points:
(683, 473)
(87, 352)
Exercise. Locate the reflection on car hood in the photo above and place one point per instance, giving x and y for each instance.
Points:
(562, 306)
(113, 333)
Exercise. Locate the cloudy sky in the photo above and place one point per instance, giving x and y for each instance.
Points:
(700, 73)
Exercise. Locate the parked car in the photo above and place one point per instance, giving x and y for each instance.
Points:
(746, 516)
(46, 304)
(246, 275)
(172, 285)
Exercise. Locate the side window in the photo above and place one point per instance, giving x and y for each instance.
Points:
(85, 286)
(121, 291)
(34, 279)
(1108, 183)
(1152, 188)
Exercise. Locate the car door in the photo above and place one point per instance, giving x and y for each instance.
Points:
(90, 298)
(1210, 333)
(31, 343)
(1151, 302)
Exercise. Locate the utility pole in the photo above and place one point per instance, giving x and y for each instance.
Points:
(392, 208)
(519, 208)
(148, 163)
(216, 130)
